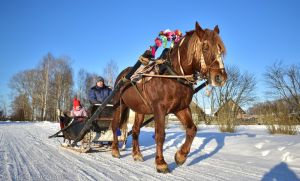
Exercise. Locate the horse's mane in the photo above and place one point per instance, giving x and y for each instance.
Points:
(195, 44)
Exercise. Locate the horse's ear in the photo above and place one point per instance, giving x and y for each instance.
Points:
(216, 29)
(199, 30)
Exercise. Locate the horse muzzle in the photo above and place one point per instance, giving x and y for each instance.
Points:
(219, 79)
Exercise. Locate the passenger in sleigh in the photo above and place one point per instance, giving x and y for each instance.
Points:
(162, 66)
(163, 38)
(78, 112)
(98, 93)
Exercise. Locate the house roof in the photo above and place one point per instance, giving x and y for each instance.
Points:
(230, 103)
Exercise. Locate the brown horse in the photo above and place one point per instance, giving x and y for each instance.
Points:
(200, 51)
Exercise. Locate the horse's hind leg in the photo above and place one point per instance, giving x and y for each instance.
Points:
(118, 114)
(114, 125)
(136, 153)
(185, 117)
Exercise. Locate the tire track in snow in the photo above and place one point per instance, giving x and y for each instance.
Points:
(228, 170)
(20, 157)
(14, 166)
(107, 165)
(25, 160)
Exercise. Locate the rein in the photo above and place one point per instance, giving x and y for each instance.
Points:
(189, 78)
(170, 76)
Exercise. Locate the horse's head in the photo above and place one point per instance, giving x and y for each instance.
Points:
(207, 48)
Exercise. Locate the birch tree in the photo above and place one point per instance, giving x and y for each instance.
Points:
(110, 72)
(47, 88)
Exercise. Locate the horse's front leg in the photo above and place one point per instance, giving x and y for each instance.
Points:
(136, 153)
(185, 117)
(159, 117)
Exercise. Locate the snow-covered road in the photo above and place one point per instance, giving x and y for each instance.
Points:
(26, 153)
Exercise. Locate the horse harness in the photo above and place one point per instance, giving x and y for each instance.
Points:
(188, 80)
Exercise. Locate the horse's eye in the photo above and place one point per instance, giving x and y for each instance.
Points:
(205, 47)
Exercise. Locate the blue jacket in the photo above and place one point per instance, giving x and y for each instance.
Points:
(98, 94)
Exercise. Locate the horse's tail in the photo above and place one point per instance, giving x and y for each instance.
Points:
(124, 116)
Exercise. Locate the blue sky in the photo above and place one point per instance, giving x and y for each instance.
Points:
(256, 33)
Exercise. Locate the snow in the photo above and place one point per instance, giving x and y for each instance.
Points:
(251, 153)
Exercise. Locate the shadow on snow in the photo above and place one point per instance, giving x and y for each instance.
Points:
(280, 172)
(174, 139)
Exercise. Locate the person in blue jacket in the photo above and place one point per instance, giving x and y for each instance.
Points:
(99, 92)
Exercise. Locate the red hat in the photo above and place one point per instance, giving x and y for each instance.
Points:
(76, 102)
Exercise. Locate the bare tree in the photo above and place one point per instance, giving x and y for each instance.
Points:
(240, 88)
(46, 88)
(55, 85)
(24, 83)
(284, 83)
(82, 86)
(61, 86)
(45, 68)
(3, 108)
(110, 72)
(21, 108)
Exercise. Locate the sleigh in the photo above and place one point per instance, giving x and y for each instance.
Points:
(98, 138)
(103, 131)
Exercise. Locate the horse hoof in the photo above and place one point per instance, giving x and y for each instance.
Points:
(138, 157)
(162, 168)
(115, 154)
(179, 159)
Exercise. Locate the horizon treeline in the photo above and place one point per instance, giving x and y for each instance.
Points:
(40, 91)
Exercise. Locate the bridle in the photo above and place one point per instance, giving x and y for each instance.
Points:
(205, 70)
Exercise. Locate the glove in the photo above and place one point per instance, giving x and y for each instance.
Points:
(143, 60)
(160, 61)
(148, 54)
